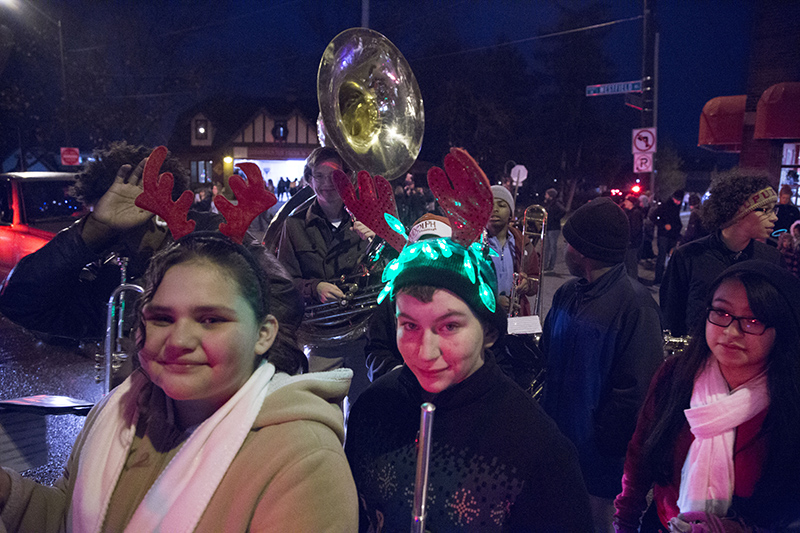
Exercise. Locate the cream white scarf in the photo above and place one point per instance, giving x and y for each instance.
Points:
(179, 496)
(707, 477)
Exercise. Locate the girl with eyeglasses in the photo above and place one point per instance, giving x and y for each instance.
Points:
(719, 434)
(217, 431)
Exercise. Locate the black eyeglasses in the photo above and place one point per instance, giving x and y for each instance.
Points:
(767, 210)
(747, 324)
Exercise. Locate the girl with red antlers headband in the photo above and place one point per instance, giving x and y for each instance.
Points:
(214, 432)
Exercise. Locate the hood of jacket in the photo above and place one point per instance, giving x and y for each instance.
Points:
(312, 397)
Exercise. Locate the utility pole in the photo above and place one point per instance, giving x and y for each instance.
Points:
(365, 13)
(649, 67)
(65, 98)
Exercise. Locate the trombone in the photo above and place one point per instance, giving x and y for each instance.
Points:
(534, 227)
(114, 356)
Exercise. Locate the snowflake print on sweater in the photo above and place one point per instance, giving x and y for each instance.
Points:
(471, 487)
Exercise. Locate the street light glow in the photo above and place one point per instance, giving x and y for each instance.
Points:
(11, 4)
(57, 23)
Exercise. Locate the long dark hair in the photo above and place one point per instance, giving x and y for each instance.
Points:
(770, 292)
(248, 270)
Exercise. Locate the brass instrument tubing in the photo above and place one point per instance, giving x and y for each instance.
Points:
(423, 464)
(111, 334)
(513, 299)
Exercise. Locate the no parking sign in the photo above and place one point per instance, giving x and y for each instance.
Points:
(642, 163)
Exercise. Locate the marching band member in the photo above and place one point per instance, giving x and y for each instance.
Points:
(498, 462)
(62, 289)
(214, 432)
(515, 254)
(381, 350)
(319, 244)
(602, 343)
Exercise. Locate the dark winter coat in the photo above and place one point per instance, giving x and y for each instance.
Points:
(603, 343)
(690, 272)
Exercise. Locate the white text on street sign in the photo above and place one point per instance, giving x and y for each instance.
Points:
(614, 88)
(70, 157)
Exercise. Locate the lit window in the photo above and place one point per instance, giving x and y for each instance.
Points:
(280, 132)
(201, 129)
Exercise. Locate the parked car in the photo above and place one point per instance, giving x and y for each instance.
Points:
(34, 206)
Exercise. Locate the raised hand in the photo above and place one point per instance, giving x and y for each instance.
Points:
(116, 209)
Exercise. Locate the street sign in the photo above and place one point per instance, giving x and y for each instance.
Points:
(642, 162)
(643, 141)
(614, 88)
(70, 157)
(634, 100)
(519, 174)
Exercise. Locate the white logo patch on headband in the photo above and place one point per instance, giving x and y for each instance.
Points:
(430, 227)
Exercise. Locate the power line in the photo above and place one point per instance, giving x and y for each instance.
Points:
(425, 15)
(141, 96)
(194, 28)
(529, 39)
(225, 21)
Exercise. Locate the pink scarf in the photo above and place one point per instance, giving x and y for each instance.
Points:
(707, 477)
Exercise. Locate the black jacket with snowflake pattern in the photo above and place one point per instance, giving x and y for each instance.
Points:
(498, 463)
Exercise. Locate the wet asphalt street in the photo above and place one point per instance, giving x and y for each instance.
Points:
(29, 367)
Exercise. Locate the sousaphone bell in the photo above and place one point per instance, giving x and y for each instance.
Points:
(370, 103)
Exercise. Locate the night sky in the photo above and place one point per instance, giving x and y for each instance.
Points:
(273, 48)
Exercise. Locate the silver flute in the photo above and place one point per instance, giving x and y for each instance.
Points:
(423, 462)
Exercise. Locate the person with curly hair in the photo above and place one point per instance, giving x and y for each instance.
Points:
(740, 215)
(62, 289)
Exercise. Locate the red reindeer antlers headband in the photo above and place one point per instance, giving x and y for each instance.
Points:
(462, 190)
(253, 199)
(375, 199)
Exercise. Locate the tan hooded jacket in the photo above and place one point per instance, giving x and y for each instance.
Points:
(290, 474)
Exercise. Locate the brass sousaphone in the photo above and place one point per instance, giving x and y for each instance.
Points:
(372, 113)
(370, 103)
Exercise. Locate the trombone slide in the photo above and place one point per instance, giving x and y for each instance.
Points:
(113, 328)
